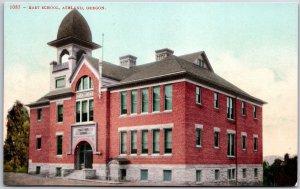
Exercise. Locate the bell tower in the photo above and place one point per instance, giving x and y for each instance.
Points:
(74, 39)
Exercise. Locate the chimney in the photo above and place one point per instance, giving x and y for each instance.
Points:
(128, 61)
(163, 53)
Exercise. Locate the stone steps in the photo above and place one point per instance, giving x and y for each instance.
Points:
(82, 174)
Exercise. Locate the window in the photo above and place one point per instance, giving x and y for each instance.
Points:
(198, 95)
(39, 114)
(255, 143)
(255, 172)
(123, 135)
(198, 175)
(254, 112)
(38, 143)
(198, 136)
(244, 142)
(156, 99)
(243, 108)
(59, 113)
(122, 174)
(230, 108)
(144, 174)
(85, 110)
(123, 142)
(64, 57)
(168, 97)
(167, 175)
(244, 173)
(144, 100)
(133, 102)
(216, 138)
(217, 174)
(144, 142)
(85, 83)
(60, 82)
(133, 143)
(58, 172)
(200, 63)
(78, 111)
(37, 170)
(123, 103)
(155, 141)
(216, 100)
(91, 110)
(168, 140)
(59, 141)
(231, 174)
(230, 147)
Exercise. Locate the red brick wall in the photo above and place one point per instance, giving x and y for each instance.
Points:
(210, 117)
(39, 128)
(177, 116)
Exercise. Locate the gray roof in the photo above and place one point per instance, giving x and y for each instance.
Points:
(64, 92)
(172, 65)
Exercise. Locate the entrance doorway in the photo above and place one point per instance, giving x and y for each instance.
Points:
(83, 156)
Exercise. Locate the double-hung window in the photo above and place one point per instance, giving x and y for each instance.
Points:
(168, 97)
(244, 137)
(39, 114)
(59, 142)
(255, 143)
(123, 142)
(85, 110)
(216, 139)
(59, 113)
(133, 144)
(123, 103)
(230, 144)
(216, 100)
(168, 140)
(144, 100)
(155, 142)
(217, 174)
(198, 95)
(91, 110)
(243, 108)
(254, 112)
(144, 142)
(39, 143)
(230, 108)
(198, 175)
(156, 99)
(198, 137)
(133, 102)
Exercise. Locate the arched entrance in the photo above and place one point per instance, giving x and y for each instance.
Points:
(83, 156)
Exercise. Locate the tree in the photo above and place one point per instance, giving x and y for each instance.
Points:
(17, 140)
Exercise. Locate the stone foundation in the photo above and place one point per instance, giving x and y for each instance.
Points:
(181, 174)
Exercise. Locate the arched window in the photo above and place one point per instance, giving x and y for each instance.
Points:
(64, 56)
(79, 54)
(85, 83)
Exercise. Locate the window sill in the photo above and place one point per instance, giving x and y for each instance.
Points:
(231, 157)
(144, 113)
(168, 154)
(123, 115)
(84, 123)
(244, 115)
(123, 155)
(216, 147)
(200, 104)
(244, 150)
(59, 156)
(230, 120)
(59, 123)
(39, 149)
(133, 155)
(255, 150)
(156, 112)
(167, 111)
(199, 182)
(198, 146)
(156, 154)
(134, 114)
(144, 155)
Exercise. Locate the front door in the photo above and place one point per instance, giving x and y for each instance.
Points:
(84, 157)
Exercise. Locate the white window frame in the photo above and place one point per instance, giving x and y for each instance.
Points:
(88, 110)
(200, 95)
(243, 108)
(255, 147)
(141, 99)
(199, 126)
(244, 134)
(131, 142)
(217, 130)
(152, 90)
(230, 108)
(216, 100)
(120, 140)
(231, 132)
(59, 78)
(254, 112)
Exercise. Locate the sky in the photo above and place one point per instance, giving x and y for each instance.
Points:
(252, 45)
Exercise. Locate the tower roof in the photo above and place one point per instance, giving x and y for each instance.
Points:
(74, 29)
